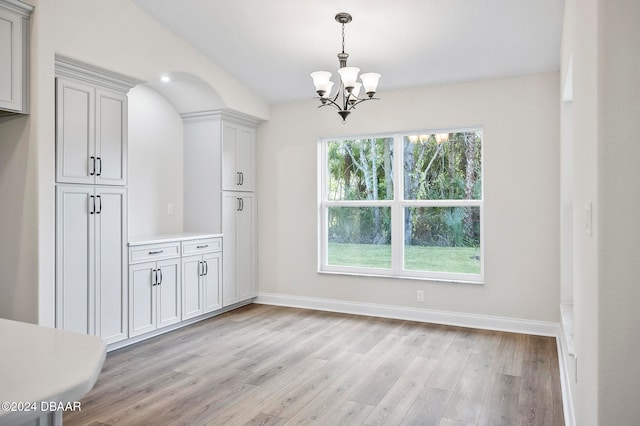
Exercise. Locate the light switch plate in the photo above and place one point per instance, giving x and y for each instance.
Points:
(588, 218)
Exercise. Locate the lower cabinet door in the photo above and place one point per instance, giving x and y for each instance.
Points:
(110, 270)
(142, 295)
(212, 281)
(230, 208)
(192, 291)
(75, 275)
(169, 298)
(245, 246)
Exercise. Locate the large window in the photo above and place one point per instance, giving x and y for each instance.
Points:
(405, 205)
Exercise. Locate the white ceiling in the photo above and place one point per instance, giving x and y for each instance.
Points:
(272, 45)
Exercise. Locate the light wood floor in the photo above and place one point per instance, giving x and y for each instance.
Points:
(267, 365)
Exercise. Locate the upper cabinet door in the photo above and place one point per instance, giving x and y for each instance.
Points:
(91, 134)
(245, 158)
(111, 138)
(13, 56)
(238, 158)
(75, 134)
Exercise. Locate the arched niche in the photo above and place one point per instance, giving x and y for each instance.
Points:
(187, 92)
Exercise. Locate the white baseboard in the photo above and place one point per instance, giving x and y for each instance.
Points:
(485, 322)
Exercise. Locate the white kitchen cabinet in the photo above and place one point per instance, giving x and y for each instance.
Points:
(154, 292)
(219, 195)
(91, 295)
(240, 255)
(91, 137)
(238, 157)
(91, 125)
(219, 154)
(201, 282)
(14, 56)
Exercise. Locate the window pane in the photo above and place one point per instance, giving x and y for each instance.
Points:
(442, 239)
(360, 169)
(359, 236)
(443, 166)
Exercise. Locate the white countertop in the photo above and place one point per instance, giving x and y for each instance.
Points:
(169, 238)
(42, 364)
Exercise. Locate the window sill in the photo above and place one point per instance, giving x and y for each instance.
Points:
(403, 277)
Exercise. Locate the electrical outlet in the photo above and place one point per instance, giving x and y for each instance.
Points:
(170, 208)
(420, 296)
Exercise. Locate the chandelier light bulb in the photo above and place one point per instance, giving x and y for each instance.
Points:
(349, 76)
(370, 82)
(321, 80)
(353, 96)
(329, 88)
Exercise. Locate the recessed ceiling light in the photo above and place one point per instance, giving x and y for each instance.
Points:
(165, 79)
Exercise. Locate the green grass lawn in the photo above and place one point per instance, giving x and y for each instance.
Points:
(437, 259)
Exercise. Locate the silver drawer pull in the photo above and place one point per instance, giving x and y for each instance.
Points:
(204, 246)
(156, 252)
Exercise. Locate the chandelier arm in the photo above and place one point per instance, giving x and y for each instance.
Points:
(329, 102)
(359, 101)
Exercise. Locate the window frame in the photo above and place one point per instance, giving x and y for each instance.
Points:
(397, 205)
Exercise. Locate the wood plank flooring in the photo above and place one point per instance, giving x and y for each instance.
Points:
(268, 365)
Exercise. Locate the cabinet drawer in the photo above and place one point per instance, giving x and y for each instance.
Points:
(206, 245)
(151, 252)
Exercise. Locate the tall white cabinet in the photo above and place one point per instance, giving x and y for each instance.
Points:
(91, 200)
(220, 193)
(14, 56)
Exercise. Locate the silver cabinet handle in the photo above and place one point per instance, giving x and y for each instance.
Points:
(206, 268)
(154, 277)
(99, 198)
(160, 272)
(241, 178)
(99, 172)
(92, 207)
(156, 252)
(92, 165)
(202, 246)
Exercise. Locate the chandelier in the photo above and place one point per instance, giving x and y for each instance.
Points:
(346, 98)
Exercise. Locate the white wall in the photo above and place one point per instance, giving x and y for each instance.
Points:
(520, 117)
(18, 236)
(619, 203)
(115, 35)
(155, 164)
(600, 36)
(579, 45)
